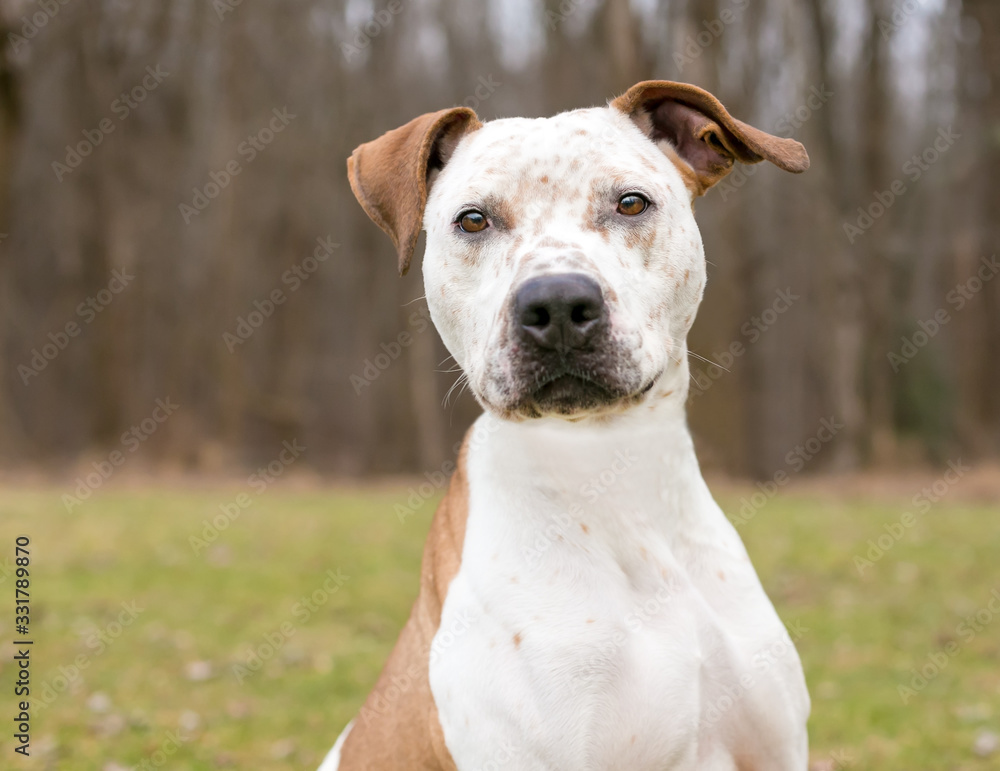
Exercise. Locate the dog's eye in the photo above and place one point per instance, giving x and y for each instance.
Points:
(472, 221)
(632, 204)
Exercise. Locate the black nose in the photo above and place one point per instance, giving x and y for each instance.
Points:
(559, 312)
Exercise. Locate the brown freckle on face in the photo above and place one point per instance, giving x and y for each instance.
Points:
(513, 579)
(668, 393)
(584, 528)
(687, 321)
(517, 640)
(643, 237)
(590, 621)
(545, 179)
(722, 576)
(687, 275)
(553, 243)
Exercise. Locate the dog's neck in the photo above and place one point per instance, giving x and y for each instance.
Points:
(645, 453)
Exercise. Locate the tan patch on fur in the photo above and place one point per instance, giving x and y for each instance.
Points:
(584, 528)
(405, 733)
(517, 640)
(688, 174)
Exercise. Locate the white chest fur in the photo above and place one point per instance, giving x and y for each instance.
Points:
(606, 615)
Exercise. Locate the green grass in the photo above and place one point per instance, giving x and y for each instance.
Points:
(863, 634)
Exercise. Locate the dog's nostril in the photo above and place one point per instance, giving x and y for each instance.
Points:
(536, 316)
(584, 312)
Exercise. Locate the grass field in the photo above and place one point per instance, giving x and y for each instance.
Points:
(145, 650)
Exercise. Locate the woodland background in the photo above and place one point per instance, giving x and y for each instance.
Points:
(866, 85)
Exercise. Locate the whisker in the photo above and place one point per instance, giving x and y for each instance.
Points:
(707, 361)
(461, 381)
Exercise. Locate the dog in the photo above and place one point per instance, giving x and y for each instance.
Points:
(584, 603)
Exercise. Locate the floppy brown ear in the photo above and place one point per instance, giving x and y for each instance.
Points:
(389, 175)
(701, 134)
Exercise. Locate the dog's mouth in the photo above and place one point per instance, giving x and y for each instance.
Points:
(569, 392)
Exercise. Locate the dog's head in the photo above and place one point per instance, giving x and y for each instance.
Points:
(563, 265)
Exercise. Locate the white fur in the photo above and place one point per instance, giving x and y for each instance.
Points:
(629, 636)
(617, 622)
(332, 760)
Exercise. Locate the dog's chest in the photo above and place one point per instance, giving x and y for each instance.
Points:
(590, 635)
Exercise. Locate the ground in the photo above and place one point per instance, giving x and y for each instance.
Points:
(253, 644)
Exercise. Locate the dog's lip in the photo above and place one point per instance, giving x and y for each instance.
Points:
(649, 386)
(564, 385)
(567, 378)
(564, 376)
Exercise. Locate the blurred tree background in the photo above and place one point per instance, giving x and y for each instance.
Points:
(197, 147)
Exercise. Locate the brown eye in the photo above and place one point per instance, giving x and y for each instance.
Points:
(631, 204)
(472, 221)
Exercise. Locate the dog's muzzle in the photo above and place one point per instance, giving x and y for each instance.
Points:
(563, 357)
